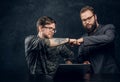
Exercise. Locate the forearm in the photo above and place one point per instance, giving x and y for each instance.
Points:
(97, 40)
(104, 36)
(81, 54)
(58, 41)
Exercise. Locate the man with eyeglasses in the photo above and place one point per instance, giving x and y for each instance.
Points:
(43, 52)
(97, 45)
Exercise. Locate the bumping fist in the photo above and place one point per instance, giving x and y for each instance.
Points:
(75, 41)
(72, 41)
(79, 41)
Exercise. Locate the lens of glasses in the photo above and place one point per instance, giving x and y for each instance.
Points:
(50, 28)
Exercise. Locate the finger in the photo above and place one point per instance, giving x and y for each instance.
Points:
(78, 43)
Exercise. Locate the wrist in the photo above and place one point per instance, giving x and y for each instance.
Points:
(82, 40)
(68, 40)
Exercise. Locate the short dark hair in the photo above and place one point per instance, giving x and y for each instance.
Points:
(85, 8)
(45, 20)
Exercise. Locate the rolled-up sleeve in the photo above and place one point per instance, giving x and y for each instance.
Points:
(35, 43)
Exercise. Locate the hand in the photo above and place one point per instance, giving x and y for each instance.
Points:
(68, 62)
(86, 62)
(79, 41)
(72, 41)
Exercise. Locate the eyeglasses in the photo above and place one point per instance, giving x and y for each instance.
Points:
(89, 18)
(50, 28)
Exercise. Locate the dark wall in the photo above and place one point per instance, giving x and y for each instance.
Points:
(18, 19)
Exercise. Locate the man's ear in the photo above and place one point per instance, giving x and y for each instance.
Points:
(95, 17)
(40, 28)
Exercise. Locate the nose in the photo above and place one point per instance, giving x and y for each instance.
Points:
(87, 21)
(52, 32)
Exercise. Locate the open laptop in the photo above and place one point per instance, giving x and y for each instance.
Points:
(72, 71)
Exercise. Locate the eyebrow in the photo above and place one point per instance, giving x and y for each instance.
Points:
(88, 17)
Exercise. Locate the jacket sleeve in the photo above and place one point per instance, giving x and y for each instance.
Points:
(107, 37)
(81, 54)
(66, 53)
(35, 43)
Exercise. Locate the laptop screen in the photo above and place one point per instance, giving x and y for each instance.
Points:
(72, 71)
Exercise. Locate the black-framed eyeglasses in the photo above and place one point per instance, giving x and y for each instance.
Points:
(89, 18)
(50, 28)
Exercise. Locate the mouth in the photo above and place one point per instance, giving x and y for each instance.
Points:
(50, 35)
(88, 26)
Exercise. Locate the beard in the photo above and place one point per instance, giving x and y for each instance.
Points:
(91, 29)
(48, 36)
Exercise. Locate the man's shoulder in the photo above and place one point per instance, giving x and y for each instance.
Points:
(108, 26)
(28, 38)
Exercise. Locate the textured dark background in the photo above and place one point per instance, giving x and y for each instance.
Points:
(18, 19)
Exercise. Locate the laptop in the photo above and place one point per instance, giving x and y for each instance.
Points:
(72, 71)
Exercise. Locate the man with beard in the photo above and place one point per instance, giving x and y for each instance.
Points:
(43, 52)
(97, 45)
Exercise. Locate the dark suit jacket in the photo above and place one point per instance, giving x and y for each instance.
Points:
(99, 49)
